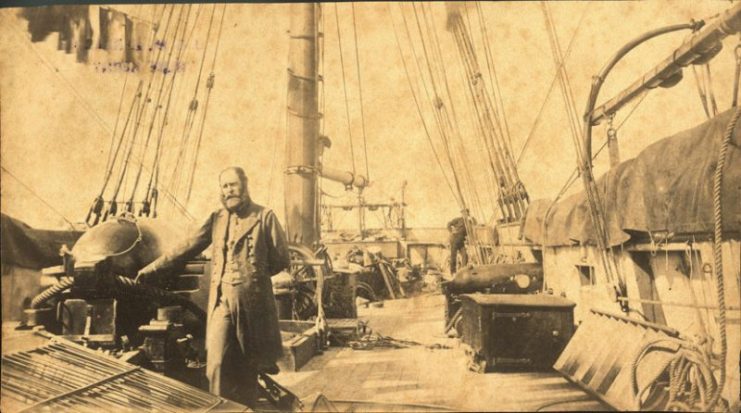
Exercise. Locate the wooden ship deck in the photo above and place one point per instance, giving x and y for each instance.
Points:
(434, 372)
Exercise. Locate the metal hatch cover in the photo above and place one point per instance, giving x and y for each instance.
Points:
(60, 374)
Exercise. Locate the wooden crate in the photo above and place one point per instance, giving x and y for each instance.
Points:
(516, 330)
(301, 347)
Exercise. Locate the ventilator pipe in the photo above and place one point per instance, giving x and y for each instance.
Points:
(347, 178)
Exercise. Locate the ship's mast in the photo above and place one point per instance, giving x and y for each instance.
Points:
(302, 224)
(304, 145)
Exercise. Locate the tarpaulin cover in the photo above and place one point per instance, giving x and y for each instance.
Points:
(667, 188)
(26, 247)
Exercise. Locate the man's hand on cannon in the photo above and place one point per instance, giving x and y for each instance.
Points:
(147, 275)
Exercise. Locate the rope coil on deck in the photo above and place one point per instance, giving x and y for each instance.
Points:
(691, 379)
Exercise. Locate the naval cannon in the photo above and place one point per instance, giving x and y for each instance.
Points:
(96, 301)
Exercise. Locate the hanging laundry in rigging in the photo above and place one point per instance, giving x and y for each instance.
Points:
(113, 33)
(72, 23)
(127, 39)
(139, 42)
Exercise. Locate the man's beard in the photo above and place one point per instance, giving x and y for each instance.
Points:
(234, 202)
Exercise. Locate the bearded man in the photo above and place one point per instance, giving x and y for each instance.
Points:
(249, 246)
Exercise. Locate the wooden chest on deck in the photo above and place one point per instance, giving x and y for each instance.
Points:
(516, 330)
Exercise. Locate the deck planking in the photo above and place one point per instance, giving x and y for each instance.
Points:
(423, 375)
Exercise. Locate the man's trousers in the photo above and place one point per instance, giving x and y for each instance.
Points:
(231, 373)
(457, 245)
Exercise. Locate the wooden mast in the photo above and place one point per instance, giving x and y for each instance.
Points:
(304, 145)
(300, 187)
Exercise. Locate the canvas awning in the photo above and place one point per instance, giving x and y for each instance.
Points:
(667, 188)
(32, 248)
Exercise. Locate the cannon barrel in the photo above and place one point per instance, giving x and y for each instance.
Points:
(481, 277)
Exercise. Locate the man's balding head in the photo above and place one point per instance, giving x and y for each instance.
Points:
(233, 184)
(236, 170)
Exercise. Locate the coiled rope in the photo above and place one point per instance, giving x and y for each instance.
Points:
(691, 379)
(692, 384)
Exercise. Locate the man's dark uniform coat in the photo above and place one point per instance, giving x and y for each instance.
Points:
(260, 251)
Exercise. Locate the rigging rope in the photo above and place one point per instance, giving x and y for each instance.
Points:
(112, 156)
(565, 85)
(141, 110)
(98, 203)
(718, 248)
(575, 174)
(192, 106)
(139, 106)
(711, 93)
(344, 88)
(179, 171)
(439, 109)
(556, 75)
(209, 87)
(492, 70)
(129, 139)
(462, 160)
(158, 105)
(120, 103)
(737, 77)
(606, 256)
(450, 180)
(182, 167)
(492, 108)
(458, 151)
(23, 33)
(360, 91)
(492, 183)
(28, 188)
(118, 116)
(512, 196)
(459, 160)
(701, 91)
(418, 106)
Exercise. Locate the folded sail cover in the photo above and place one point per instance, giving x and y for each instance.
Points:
(667, 188)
